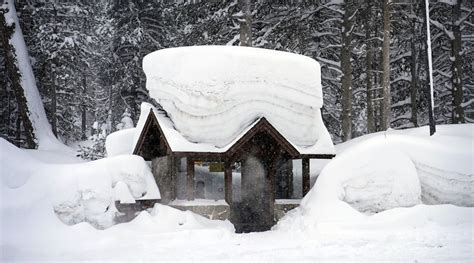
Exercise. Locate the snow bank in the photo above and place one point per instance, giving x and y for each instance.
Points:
(77, 192)
(370, 178)
(380, 178)
(444, 162)
(212, 93)
(37, 198)
(388, 170)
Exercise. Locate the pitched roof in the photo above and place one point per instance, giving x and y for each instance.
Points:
(176, 143)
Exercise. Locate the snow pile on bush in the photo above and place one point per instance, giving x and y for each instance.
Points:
(77, 192)
(120, 142)
(124, 141)
(388, 170)
(203, 87)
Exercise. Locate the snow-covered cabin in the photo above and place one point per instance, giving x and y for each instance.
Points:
(250, 110)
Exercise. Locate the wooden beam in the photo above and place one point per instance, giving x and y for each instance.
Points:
(306, 178)
(173, 173)
(190, 179)
(289, 179)
(228, 182)
(271, 180)
(317, 156)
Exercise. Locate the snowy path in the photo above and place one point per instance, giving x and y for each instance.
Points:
(431, 242)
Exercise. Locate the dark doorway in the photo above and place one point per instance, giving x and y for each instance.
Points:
(255, 211)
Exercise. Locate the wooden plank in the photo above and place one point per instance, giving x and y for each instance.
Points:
(228, 182)
(317, 156)
(202, 156)
(306, 178)
(190, 179)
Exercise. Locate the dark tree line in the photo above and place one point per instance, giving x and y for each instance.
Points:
(87, 57)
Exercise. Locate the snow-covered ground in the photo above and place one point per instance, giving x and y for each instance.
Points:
(374, 174)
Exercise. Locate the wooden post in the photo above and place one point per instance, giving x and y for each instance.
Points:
(290, 179)
(228, 182)
(306, 178)
(271, 184)
(190, 179)
(172, 173)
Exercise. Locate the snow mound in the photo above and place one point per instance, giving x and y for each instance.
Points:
(76, 192)
(381, 178)
(164, 219)
(389, 170)
(370, 178)
(120, 142)
(212, 93)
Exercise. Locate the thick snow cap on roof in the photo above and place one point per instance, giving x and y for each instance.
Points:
(213, 93)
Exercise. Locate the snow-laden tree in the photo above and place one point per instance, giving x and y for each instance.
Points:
(126, 122)
(451, 31)
(18, 67)
(92, 61)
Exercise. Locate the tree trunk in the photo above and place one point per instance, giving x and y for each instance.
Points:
(347, 74)
(83, 109)
(110, 115)
(456, 48)
(387, 99)
(18, 132)
(6, 33)
(414, 76)
(245, 23)
(429, 68)
(369, 61)
(53, 95)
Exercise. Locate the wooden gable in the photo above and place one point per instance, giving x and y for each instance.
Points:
(263, 126)
(152, 141)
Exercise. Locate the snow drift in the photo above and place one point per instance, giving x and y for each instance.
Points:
(44, 207)
(77, 192)
(391, 169)
(212, 93)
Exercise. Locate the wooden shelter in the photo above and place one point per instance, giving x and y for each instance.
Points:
(247, 112)
(263, 154)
